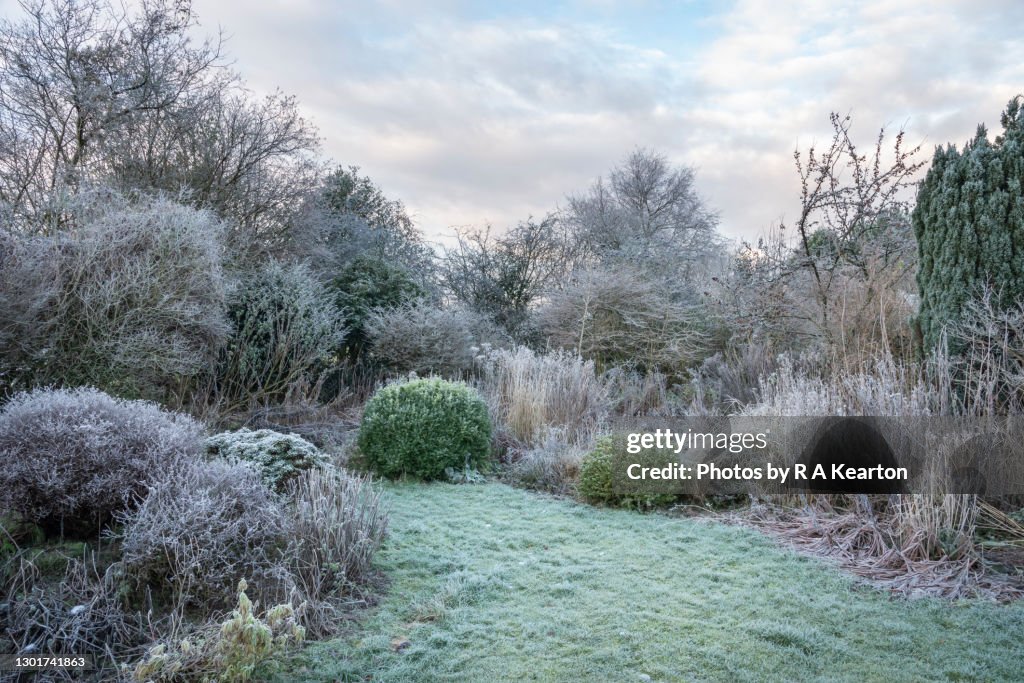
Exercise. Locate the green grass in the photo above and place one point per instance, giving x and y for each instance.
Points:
(490, 583)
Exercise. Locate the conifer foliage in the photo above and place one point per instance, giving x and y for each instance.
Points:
(969, 224)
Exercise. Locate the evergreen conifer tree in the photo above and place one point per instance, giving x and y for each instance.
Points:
(969, 224)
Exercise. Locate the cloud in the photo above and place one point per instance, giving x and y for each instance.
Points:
(777, 69)
(493, 121)
(472, 112)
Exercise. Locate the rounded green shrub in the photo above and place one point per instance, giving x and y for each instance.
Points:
(421, 427)
(278, 457)
(596, 479)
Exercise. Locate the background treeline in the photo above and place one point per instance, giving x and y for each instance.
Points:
(169, 235)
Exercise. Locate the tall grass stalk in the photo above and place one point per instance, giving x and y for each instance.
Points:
(531, 393)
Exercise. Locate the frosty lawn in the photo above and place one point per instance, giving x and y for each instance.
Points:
(490, 583)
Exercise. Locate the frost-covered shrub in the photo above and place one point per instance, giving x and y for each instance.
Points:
(884, 388)
(128, 297)
(278, 457)
(421, 427)
(201, 529)
(73, 458)
(625, 317)
(425, 339)
(283, 325)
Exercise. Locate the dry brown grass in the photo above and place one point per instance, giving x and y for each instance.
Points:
(913, 545)
(530, 394)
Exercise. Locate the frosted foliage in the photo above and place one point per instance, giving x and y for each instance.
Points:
(130, 298)
(201, 528)
(72, 458)
(278, 457)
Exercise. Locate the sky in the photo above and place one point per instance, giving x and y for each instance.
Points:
(475, 113)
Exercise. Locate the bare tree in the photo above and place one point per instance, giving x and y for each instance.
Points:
(248, 160)
(842, 274)
(645, 206)
(502, 275)
(853, 212)
(72, 73)
(92, 92)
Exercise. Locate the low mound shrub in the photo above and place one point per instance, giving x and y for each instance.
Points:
(278, 457)
(201, 529)
(421, 427)
(553, 466)
(73, 458)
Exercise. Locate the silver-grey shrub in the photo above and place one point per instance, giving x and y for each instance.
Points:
(284, 323)
(201, 528)
(337, 524)
(624, 316)
(70, 459)
(128, 297)
(552, 466)
(425, 339)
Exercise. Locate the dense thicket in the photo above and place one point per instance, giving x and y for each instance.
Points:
(128, 296)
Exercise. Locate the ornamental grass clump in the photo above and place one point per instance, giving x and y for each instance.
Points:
(422, 427)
